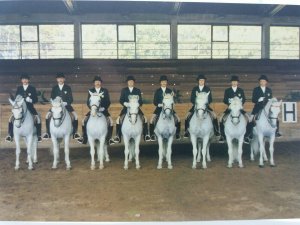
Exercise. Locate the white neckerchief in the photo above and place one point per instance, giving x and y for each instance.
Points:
(98, 90)
(25, 87)
(61, 86)
(130, 89)
(163, 89)
(263, 89)
(201, 87)
(234, 89)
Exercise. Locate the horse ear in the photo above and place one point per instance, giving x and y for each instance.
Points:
(11, 101)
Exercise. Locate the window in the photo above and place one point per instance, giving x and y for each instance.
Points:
(29, 42)
(194, 41)
(284, 42)
(56, 41)
(99, 41)
(220, 42)
(10, 42)
(126, 41)
(153, 41)
(245, 42)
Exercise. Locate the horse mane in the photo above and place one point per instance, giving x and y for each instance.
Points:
(269, 103)
(18, 98)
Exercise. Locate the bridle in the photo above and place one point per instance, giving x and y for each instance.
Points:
(165, 109)
(270, 118)
(61, 118)
(99, 113)
(23, 115)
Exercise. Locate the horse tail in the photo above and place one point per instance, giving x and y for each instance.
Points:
(131, 147)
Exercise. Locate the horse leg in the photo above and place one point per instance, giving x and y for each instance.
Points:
(169, 152)
(29, 140)
(208, 153)
(126, 151)
(251, 151)
(230, 152)
(101, 151)
(106, 153)
(198, 148)
(205, 142)
(67, 151)
(160, 152)
(55, 151)
(34, 149)
(18, 151)
(261, 150)
(272, 139)
(137, 152)
(265, 154)
(92, 152)
(195, 150)
(240, 151)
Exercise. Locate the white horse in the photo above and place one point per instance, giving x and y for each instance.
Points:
(235, 129)
(132, 129)
(97, 130)
(265, 128)
(24, 127)
(165, 130)
(201, 128)
(60, 128)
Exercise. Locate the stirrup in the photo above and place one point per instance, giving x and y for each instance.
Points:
(46, 136)
(39, 139)
(222, 139)
(186, 135)
(147, 137)
(177, 136)
(247, 140)
(153, 138)
(76, 136)
(111, 142)
(9, 139)
(117, 139)
(278, 135)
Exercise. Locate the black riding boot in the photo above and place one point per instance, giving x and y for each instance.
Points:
(248, 136)
(75, 128)
(216, 127)
(117, 139)
(152, 135)
(47, 134)
(178, 126)
(38, 131)
(109, 140)
(277, 134)
(10, 136)
(84, 138)
(146, 132)
(223, 136)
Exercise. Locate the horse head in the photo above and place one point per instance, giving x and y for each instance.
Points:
(133, 108)
(168, 102)
(236, 105)
(18, 110)
(274, 110)
(58, 111)
(201, 104)
(95, 102)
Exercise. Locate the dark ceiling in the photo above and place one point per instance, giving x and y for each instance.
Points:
(129, 7)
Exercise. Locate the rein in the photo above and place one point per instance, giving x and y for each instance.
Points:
(270, 118)
(22, 118)
(61, 118)
(164, 111)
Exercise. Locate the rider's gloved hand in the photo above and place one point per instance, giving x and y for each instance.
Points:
(160, 105)
(101, 109)
(28, 99)
(230, 100)
(261, 99)
(126, 104)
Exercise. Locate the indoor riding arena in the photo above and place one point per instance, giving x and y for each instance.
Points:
(181, 43)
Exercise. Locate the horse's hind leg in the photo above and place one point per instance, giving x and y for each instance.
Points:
(67, 152)
(92, 152)
(29, 151)
(169, 152)
(261, 150)
(195, 150)
(18, 151)
(205, 142)
(34, 149)
(198, 146)
(230, 152)
(160, 152)
(55, 152)
(240, 152)
(126, 151)
(101, 150)
(207, 152)
(137, 152)
(106, 153)
(272, 139)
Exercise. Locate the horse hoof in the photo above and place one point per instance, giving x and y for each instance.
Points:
(170, 167)
(159, 167)
(241, 166)
(261, 166)
(107, 160)
(138, 167)
(36, 162)
(125, 167)
(251, 160)
(198, 160)
(194, 167)
(272, 165)
(17, 168)
(69, 168)
(101, 167)
(54, 167)
(92, 167)
(229, 166)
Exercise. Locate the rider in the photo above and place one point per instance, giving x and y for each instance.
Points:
(201, 88)
(157, 101)
(28, 92)
(260, 97)
(229, 94)
(105, 103)
(130, 90)
(65, 92)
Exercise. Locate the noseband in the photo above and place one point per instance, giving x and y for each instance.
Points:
(270, 118)
(165, 109)
(22, 118)
(99, 114)
(235, 117)
(61, 118)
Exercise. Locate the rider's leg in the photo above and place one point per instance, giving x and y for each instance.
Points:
(277, 134)
(110, 131)
(117, 138)
(10, 136)
(248, 136)
(178, 127)
(187, 124)
(75, 126)
(145, 129)
(223, 136)
(38, 126)
(84, 138)
(47, 134)
(151, 127)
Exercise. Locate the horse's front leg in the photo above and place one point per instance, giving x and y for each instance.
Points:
(169, 152)
(106, 153)
(230, 149)
(55, 151)
(126, 151)
(207, 152)
(271, 149)
(195, 150)
(29, 140)
(18, 151)
(101, 151)
(240, 151)
(265, 154)
(67, 152)
(261, 150)
(160, 151)
(137, 152)
(92, 152)
(204, 149)
(34, 149)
